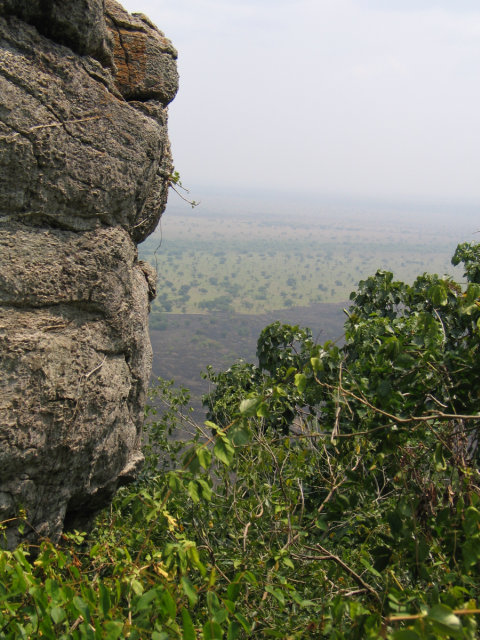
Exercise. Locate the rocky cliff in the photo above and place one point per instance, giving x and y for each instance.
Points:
(84, 175)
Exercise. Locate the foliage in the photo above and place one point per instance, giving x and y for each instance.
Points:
(175, 181)
(282, 350)
(334, 493)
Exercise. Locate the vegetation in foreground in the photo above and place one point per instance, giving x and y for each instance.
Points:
(334, 494)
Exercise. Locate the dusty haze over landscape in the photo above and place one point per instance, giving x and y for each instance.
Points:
(356, 98)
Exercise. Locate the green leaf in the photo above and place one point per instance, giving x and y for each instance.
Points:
(144, 601)
(472, 293)
(233, 590)
(300, 382)
(114, 630)
(239, 434)
(190, 591)
(248, 407)
(211, 582)
(263, 411)
(105, 601)
(321, 523)
(229, 606)
(471, 552)
(471, 524)
(213, 603)
(212, 631)
(446, 621)
(276, 593)
(243, 621)
(220, 616)
(174, 482)
(194, 557)
(58, 614)
(169, 604)
(187, 624)
(438, 457)
(317, 364)
(289, 372)
(82, 607)
(192, 489)
(205, 489)
(234, 629)
(20, 556)
(438, 294)
(250, 577)
(204, 457)
(224, 451)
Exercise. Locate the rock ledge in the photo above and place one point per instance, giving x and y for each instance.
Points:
(84, 165)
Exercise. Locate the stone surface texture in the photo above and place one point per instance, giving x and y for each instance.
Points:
(84, 174)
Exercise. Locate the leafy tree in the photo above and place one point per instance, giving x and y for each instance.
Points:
(392, 418)
(281, 351)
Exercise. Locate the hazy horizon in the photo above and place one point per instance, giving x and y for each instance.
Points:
(246, 202)
(338, 98)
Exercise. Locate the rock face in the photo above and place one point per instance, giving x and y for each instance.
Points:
(84, 175)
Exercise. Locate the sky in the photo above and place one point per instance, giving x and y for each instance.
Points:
(348, 98)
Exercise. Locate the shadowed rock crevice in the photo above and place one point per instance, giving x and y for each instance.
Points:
(84, 165)
(79, 24)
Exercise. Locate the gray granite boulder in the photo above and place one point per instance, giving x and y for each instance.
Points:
(84, 174)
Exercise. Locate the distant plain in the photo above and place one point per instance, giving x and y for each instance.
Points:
(208, 262)
(222, 277)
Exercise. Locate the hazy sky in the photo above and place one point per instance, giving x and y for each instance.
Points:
(377, 98)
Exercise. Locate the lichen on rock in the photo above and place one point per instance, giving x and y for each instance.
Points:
(84, 174)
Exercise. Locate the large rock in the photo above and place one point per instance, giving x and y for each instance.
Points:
(84, 175)
(144, 58)
(79, 24)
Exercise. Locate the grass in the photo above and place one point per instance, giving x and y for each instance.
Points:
(207, 262)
